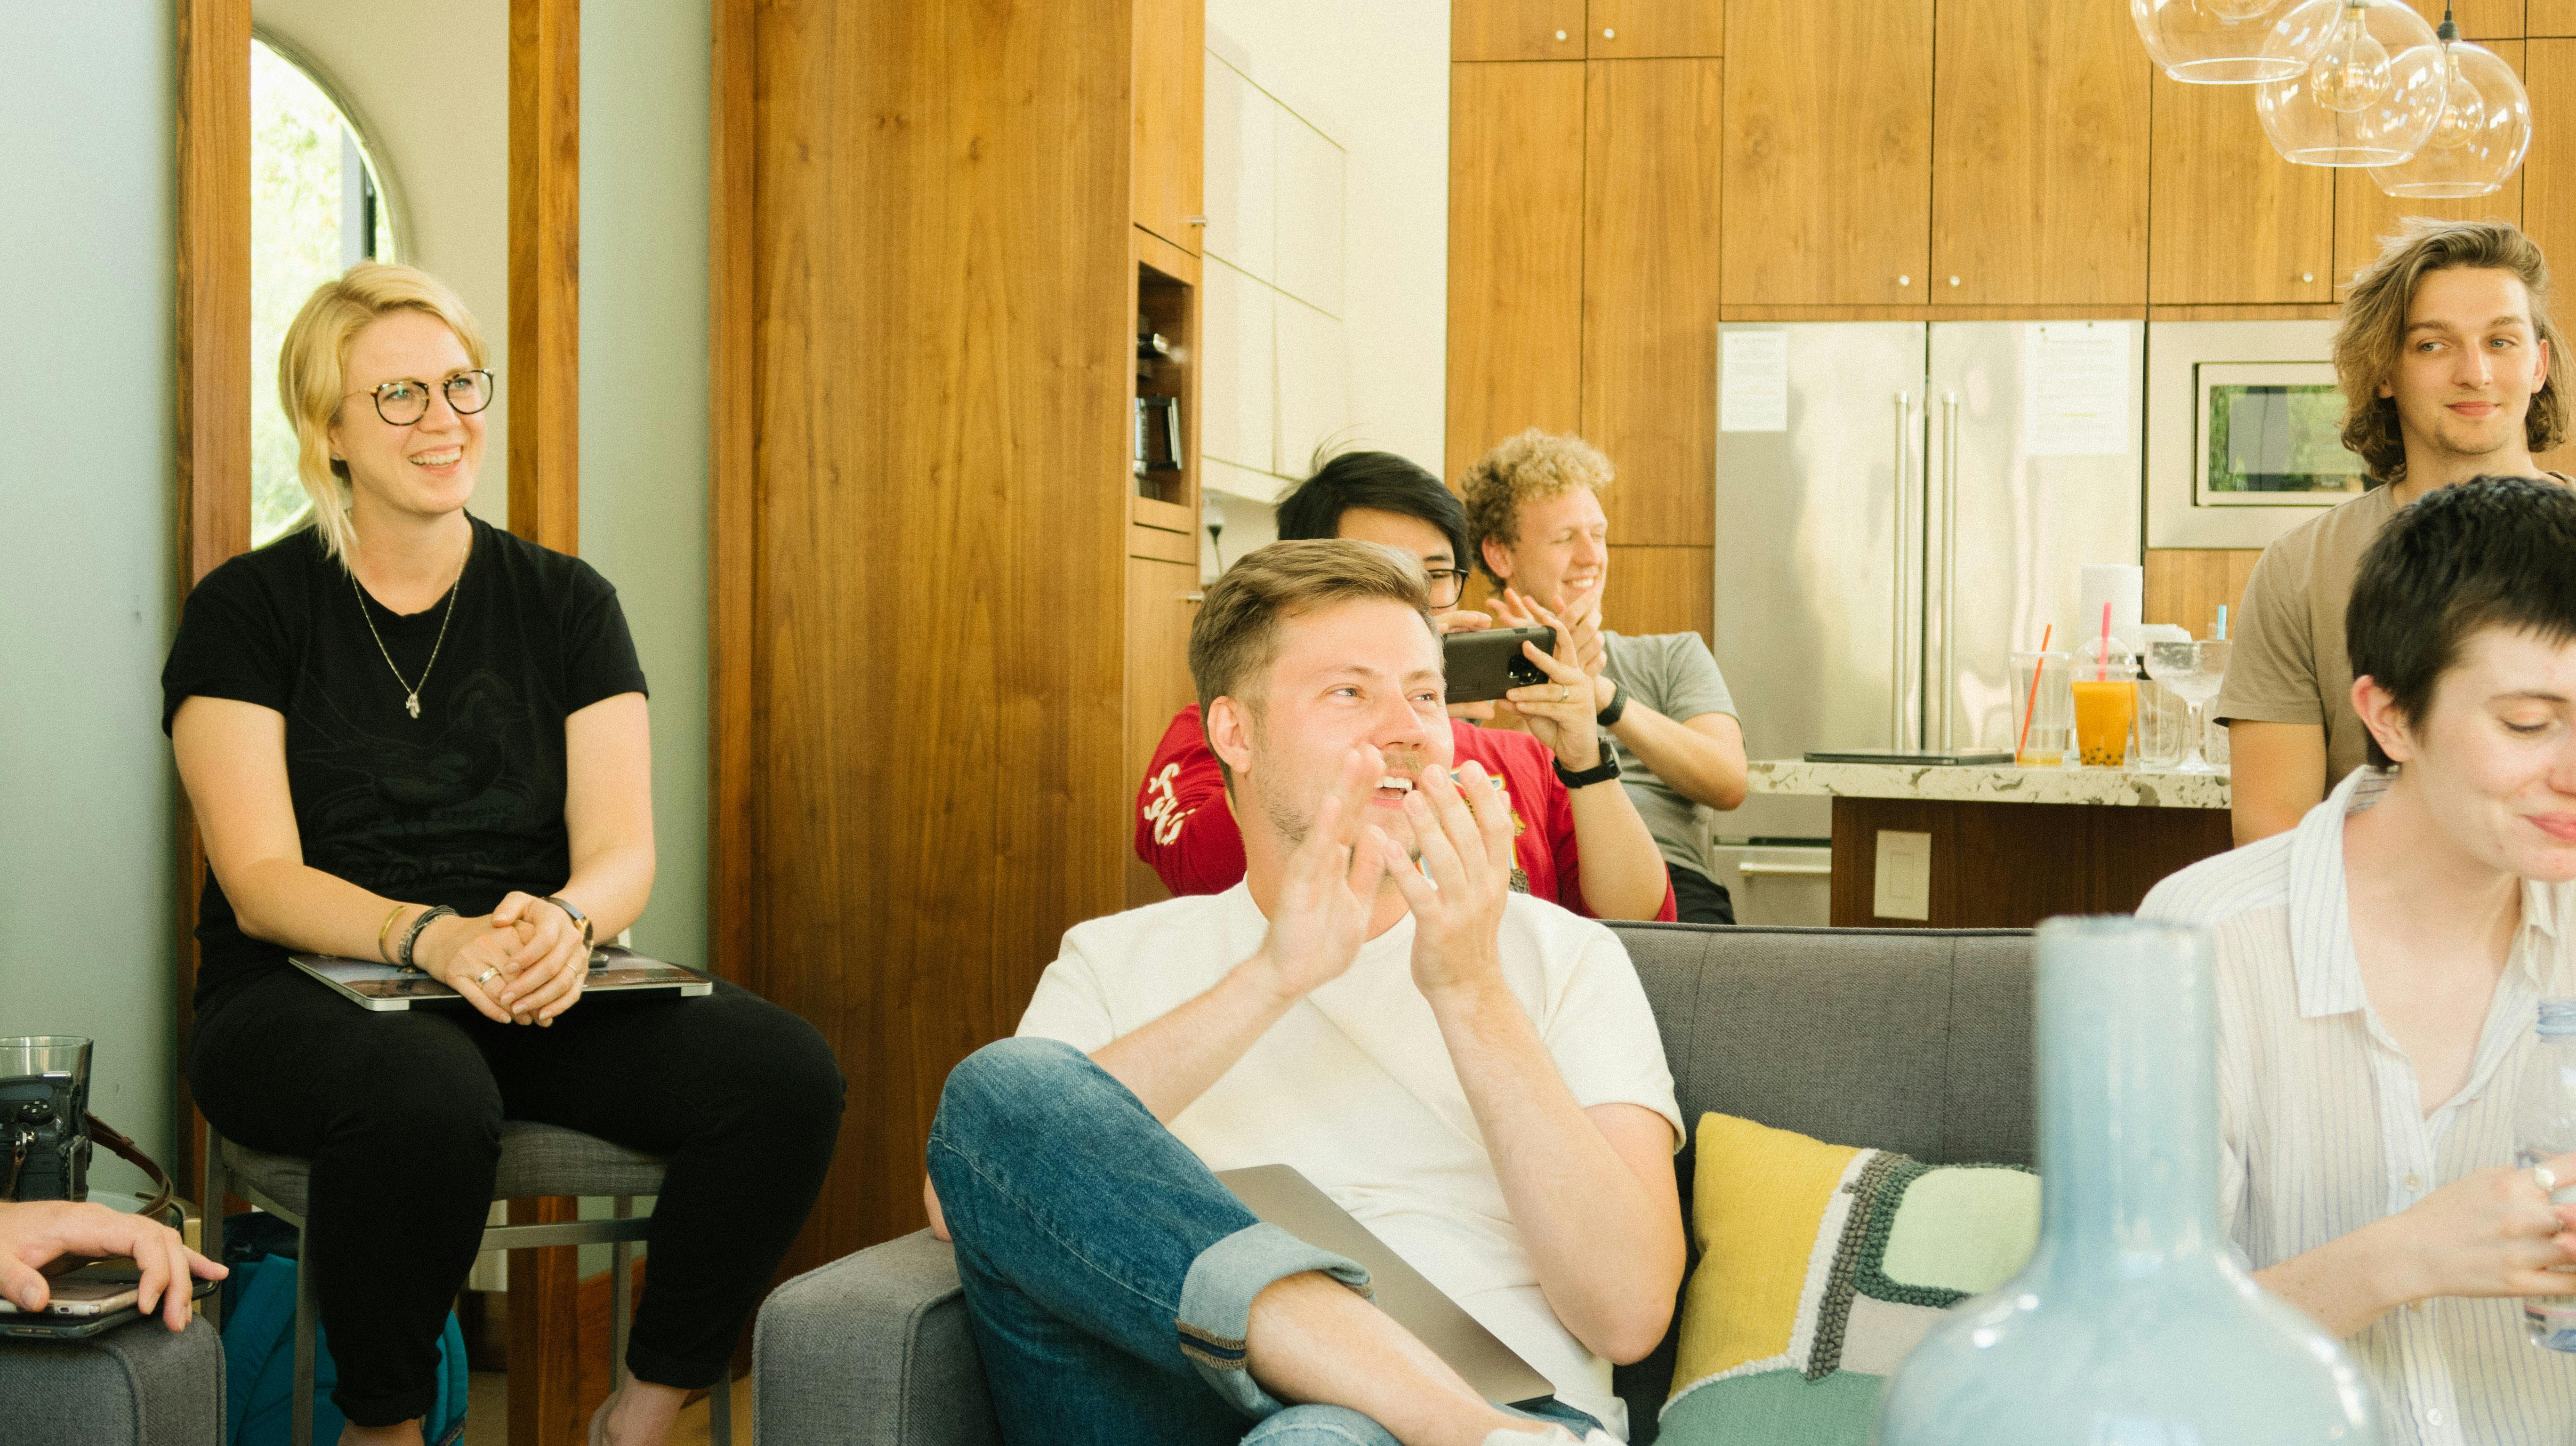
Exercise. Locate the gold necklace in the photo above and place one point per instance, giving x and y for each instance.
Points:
(411, 690)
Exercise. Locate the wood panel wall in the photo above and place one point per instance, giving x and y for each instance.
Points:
(545, 272)
(212, 502)
(921, 342)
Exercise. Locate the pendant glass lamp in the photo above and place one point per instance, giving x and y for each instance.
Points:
(2484, 129)
(2233, 42)
(2370, 98)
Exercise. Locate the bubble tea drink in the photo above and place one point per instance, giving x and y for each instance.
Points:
(2105, 705)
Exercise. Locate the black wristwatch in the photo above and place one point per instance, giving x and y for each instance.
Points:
(1609, 717)
(1602, 772)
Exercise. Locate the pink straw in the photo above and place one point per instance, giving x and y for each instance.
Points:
(2102, 660)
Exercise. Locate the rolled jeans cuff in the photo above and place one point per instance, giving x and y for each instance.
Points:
(1216, 1304)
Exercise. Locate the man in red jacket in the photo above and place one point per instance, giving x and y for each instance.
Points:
(1580, 843)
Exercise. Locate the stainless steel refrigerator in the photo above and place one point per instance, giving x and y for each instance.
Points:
(1900, 505)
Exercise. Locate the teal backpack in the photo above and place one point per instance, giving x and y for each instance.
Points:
(259, 1349)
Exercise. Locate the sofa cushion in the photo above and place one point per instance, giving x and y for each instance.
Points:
(1911, 1040)
(1903, 1039)
(1821, 1267)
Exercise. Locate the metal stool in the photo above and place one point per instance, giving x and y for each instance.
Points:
(535, 1160)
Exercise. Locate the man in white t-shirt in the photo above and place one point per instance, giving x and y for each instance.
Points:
(1472, 1073)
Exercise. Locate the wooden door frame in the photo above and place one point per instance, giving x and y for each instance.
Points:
(213, 504)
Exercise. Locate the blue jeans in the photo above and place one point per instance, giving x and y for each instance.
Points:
(1108, 1275)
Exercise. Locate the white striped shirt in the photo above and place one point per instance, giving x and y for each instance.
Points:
(2322, 1121)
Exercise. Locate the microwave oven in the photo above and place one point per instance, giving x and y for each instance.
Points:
(2244, 431)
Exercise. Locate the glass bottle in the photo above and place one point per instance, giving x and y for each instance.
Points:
(2132, 1323)
(2544, 1128)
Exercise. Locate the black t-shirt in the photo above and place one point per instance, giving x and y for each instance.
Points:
(458, 806)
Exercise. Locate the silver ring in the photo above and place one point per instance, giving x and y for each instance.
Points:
(486, 976)
(2545, 1178)
(1564, 694)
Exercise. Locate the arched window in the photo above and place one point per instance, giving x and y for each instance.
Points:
(318, 206)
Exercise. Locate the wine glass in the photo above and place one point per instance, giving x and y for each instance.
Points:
(2194, 671)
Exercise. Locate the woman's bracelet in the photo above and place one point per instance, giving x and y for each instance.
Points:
(384, 930)
(411, 936)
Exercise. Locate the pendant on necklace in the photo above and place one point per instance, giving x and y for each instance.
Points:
(412, 702)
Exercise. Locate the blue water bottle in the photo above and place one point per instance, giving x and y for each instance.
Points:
(2544, 1128)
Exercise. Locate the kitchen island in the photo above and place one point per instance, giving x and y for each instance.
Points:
(2001, 847)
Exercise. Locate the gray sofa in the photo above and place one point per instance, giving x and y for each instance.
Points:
(137, 1385)
(1910, 1040)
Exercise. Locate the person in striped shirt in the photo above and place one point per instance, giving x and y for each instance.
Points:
(2380, 968)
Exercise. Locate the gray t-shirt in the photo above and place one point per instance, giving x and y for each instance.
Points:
(1674, 674)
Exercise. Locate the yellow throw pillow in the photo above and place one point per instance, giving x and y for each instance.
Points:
(1820, 1267)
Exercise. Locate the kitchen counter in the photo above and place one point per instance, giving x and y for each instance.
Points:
(1917, 845)
(2128, 788)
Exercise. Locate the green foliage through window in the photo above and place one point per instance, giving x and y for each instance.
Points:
(305, 228)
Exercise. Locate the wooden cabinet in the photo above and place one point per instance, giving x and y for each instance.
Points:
(1167, 133)
(1661, 589)
(1650, 247)
(2365, 216)
(2039, 155)
(1650, 29)
(1828, 152)
(1515, 253)
(2548, 173)
(2486, 21)
(2187, 586)
(2231, 221)
(1516, 30)
(1163, 488)
(1162, 598)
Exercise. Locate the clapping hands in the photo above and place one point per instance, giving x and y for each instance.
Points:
(1322, 914)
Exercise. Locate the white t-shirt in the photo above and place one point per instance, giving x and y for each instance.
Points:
(1354, 1086)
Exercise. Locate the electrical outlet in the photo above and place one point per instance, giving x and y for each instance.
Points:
(1904, 876)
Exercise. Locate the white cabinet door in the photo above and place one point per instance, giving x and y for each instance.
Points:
(1310, 215)
(1242, 170)
(1314, 385)
(1236, 367)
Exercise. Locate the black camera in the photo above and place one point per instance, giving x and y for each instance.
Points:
(44, 1137)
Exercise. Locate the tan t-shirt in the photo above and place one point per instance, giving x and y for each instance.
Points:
(2289, 664)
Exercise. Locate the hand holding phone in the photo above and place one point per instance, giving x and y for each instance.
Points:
(1483, 666)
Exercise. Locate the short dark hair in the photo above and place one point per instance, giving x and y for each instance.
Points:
(1235, 637)
(1381, 481)
(2498, 552)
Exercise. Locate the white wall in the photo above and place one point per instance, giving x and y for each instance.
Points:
(87, 791)
(1291, 89)
(432, 98)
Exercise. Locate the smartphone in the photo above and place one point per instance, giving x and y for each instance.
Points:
(81, 1294)
(1484, 666)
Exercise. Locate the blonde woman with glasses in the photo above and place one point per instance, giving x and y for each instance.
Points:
(410, 736)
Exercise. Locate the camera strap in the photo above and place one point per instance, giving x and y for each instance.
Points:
(126, 1150)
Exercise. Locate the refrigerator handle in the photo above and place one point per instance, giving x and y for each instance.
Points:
(1949, 569)
(1896, 589)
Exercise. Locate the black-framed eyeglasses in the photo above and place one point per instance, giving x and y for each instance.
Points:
(1448, 586)
(404, 402)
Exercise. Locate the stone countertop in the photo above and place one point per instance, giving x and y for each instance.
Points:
(1990, 784)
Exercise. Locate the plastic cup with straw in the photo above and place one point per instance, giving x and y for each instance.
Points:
(2104, 709)
(2030, 705)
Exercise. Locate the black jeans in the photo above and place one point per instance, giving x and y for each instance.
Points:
(1699, 899)
(401, 1114)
